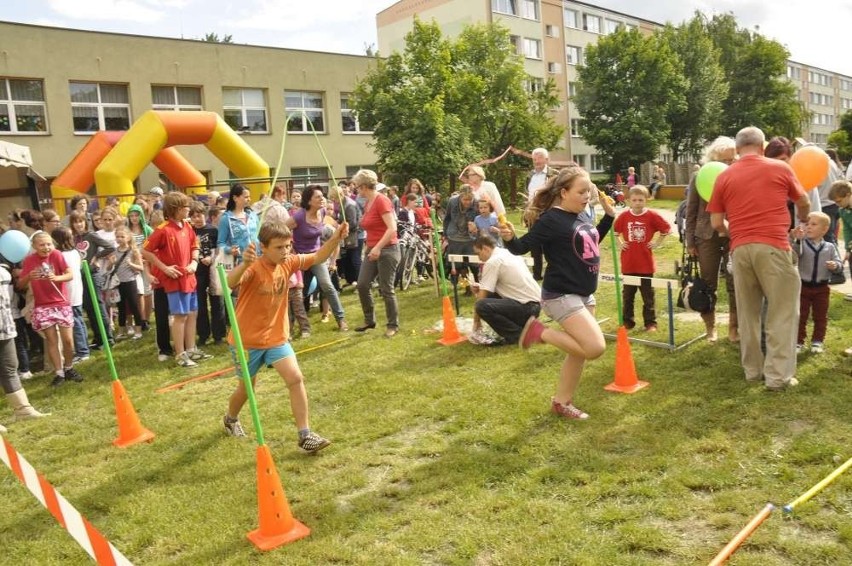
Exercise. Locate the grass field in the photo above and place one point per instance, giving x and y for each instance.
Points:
(448, 455)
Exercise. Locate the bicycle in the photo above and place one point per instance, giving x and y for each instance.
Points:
(415, 254)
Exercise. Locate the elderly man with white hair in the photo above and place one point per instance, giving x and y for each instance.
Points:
(536, 179)
(749, 203)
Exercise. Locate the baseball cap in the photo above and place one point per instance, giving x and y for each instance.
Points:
(156, 191)
(381, 186)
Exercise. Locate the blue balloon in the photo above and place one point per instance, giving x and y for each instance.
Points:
(312, 287)
(14, 245)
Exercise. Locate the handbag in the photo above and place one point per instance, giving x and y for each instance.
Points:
(695, 295)
(837, 277)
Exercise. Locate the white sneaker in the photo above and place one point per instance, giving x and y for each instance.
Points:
(163, 357)
(847, 297)
(817, 348)
(185, 361)
(800, 348)
(25, 375)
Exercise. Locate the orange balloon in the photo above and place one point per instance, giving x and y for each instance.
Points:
(810, 164)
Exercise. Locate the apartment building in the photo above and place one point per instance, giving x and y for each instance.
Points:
(60, 86)
(553, 36)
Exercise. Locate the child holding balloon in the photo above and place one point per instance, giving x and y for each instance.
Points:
(46, 272)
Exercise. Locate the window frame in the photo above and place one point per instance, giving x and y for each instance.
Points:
(177, 106)
(100, 106)
(575, 126)
(10, 102)
(573, 52)
(511, 6)
(531, 41)
(524, 7)
(347, 96)
(589, 18)
(288, 110)
(244, 108)
(576, 18)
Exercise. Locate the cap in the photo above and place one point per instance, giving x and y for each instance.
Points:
(381, 186)
(156, 191)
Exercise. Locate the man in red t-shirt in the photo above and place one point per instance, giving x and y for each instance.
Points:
(752, 196)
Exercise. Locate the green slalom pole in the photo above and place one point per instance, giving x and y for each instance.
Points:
(439, 256)
(617, 273)
(90, 284)
(241, 354)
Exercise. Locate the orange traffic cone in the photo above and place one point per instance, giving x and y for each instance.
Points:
(130, 430)
(625, 370)
(277, 525)
(451, 331)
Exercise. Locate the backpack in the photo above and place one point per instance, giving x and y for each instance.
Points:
(695, 295)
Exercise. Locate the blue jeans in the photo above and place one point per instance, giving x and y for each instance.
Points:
(320, 271)
(81, 335)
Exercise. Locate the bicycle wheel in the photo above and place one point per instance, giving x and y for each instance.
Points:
(407, 268)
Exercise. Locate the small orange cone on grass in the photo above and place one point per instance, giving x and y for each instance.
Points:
(626, 380)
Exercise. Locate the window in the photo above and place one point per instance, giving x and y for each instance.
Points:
(245, 109)
(301, 105)
(532, 48)
(22, 107)
(304, 176)
(529, 9)
(504, 7)
(572, 54)
(572, 89)
(596, 162)
(554, 68)
(533, 84)
(551, 31)
(347, 116)
(571, 18)
(629, 27)
(611, 26)
(575, 127)
(581, 160)
(352, 169)
(515, 40)
(179, 98)
(592, 23)
(99, 106)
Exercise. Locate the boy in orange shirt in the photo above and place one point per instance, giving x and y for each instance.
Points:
(264, 324)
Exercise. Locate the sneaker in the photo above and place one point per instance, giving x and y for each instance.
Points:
(817, 348)
(137, 336)
(57, 380)
(73, 375)
(197, 355)
(800, 349)
(25, 375)
(531, 334)
(233, 427)
(77, 359)
(163, 357)
(651, 328)
(324, 318)
(792, 383)
(185, 361)
(847, 297)
(120, 336)
(568, 411)
(342, 326)
(847, 352)
(313, 442)
(305, 335)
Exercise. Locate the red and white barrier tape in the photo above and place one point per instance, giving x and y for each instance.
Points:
(86, 535)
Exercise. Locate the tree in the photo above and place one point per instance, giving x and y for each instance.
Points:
(840, 140)
(441, 104)
(627, 88)
(706, 88)
(214, 38)
(755, 68)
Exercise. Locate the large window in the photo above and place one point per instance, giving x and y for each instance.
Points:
(304, 176)
(348, 118)
(593, 23)
(505, 7)
(572, 54)
(611, 26)
(99, 106)
(532, 48)
(180, 98)
(575, 127)
(597, 163)
(298, 106)
(529, 9)
(22, 107)
(245, 109)
(571, 18)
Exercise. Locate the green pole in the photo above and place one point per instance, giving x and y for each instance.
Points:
(241, 354)
(439, 256)
(90, 284)
(617, 271)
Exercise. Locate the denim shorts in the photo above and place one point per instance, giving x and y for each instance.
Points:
(257, 358)
(565, 306)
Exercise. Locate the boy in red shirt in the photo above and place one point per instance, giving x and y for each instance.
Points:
(173, 250)
(264, 325)
(635, 229)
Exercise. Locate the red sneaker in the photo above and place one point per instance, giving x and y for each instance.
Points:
(531, 334)
(569, 411)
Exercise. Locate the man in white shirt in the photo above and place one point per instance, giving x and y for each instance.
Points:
(508, 295)
(535, 181)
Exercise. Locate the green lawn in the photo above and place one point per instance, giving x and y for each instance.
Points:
(448, 455)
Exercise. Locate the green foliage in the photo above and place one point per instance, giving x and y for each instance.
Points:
(840, 140)
(214, 38)
(705, 87)
(755, 68)
(627, 88)
(442, 103)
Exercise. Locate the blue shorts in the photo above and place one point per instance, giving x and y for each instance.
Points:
(256, 358)
(182, 303)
